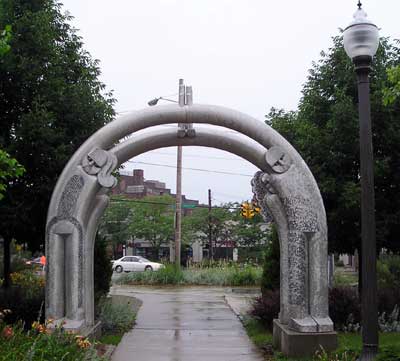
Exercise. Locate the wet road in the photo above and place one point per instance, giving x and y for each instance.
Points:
(184, 324)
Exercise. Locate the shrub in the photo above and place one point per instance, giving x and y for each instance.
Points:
(116, 318)
(102, 269)
(229, 276)
(344, 309)
(266, 307)
(389, 353)
(390, 322)
(344, 306)
(26, 306)
(388, 268)
(247, 276)
(29, 281)
(388, 299)
(271, 268)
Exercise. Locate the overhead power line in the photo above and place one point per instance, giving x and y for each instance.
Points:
(202, 156)
(195, 169)
(113, 200)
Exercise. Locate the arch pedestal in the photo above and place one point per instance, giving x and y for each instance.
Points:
(284, 187)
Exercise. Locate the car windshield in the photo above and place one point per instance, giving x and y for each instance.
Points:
(143, 259)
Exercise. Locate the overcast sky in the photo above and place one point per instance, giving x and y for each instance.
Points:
(249, 55)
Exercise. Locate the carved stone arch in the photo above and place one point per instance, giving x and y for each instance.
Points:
(284, 187)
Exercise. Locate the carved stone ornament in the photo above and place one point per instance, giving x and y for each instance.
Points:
(101, 163)
(266, 179)
(278, 159)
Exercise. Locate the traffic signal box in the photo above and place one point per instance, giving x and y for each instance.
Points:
(248, 210)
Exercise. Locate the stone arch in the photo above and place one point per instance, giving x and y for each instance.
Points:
(284, 186)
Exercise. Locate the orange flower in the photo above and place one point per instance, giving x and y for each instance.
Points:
(39, 327)
(82, 342)
(8, 332)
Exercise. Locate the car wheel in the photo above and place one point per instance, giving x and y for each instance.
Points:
(148, 268)
(118, 269)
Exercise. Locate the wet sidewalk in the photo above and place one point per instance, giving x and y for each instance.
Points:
(184, 324)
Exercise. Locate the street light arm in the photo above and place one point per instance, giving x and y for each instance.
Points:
(168, 100)
(155, 101)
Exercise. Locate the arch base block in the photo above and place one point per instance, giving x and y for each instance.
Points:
(302, 344)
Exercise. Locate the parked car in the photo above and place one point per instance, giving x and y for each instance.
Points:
(135, 264)
(33, 262)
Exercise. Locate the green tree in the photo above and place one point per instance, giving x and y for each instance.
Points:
(197, 226)
(324, 130)
(152, 219)
(250, 232)
(5, 37)
(50, 101)
(391, 93)
(115, 223)
(9, 169)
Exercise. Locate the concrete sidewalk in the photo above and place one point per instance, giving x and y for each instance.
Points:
(184, 324)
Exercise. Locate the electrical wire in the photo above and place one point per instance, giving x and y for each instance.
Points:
(200, 156)
(113, 200)
(195, 169)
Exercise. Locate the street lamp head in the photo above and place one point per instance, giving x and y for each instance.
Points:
(153, 102)
(361, 37)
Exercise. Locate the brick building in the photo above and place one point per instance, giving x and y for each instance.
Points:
(134, 185)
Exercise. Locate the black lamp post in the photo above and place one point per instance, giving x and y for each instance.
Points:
(361, 41)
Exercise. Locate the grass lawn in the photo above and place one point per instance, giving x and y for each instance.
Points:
(345, 278)
(349, 344)
(108, 339)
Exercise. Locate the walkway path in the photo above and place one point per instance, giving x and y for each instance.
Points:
(184, 324)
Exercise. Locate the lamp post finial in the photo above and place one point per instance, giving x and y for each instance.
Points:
(359, 4)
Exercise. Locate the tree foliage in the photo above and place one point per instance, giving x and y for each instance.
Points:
(391, 93)
(5, 37)
(324, 130)
(50, 101)
(114, 225)
(153, 221)
(9, 169)
(227, 227)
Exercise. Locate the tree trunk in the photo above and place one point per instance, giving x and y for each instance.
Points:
(6, 261)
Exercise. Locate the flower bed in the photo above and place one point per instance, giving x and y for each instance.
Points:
(43, 343)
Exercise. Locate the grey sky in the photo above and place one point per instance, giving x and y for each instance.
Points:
(248, 55)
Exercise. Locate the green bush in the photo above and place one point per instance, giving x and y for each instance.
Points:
(388, 269)
(102, 269)
(116, 318)
(389, 353)
(271, 267)
(229, 276)
(247, 276)
(26, 306)
(166, 275)
(266, 308)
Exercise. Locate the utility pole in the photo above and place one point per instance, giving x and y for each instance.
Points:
(211, 255)
(178, 199)
(185, 97)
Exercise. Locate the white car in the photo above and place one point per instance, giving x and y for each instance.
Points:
(135, 264)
